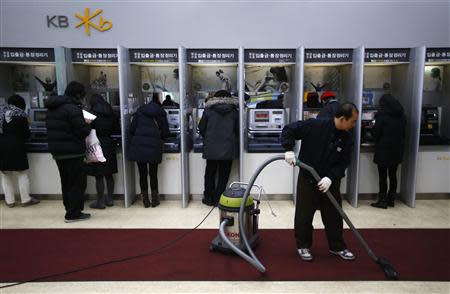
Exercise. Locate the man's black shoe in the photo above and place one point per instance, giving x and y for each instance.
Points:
(81, 217)
(207, 202)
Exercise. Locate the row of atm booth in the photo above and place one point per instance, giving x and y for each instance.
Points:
(274, 87)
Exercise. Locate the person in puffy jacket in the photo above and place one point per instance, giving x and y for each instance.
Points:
(148, 129)
(389, 135)
(67, 130)
(14, 132)
(219, 127)
(106, 124)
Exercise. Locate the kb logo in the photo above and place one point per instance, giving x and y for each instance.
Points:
(87, 20)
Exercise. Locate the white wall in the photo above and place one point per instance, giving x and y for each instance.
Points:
(229, 24)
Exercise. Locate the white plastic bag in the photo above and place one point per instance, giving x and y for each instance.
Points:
(94, 151)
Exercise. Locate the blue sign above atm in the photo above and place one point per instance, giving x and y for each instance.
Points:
(27, 54)
(387, 55)
(437, 54)
(212, 55)
(154, 55)
(269, 55)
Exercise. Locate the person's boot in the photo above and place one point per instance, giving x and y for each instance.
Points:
(109, 201)
(145, 200)
(155, 198)
(99, 203)
(382, 201)
(391, 199)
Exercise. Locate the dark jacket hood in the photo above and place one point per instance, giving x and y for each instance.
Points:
(102, 109)
(391, 106)
(151, 109)
(57, 101)
(222, 105)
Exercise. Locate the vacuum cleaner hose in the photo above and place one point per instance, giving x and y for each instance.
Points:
(254, 260)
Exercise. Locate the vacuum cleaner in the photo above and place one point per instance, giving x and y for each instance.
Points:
(244, 247)
(229, 205)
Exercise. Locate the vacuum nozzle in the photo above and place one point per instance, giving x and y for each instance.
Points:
(389, 270)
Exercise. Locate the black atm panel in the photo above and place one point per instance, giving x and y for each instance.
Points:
(172, 144)
(367, 124)
(264, 130)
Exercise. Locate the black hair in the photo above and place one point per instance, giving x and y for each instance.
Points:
(168, 97)
(279, 73)
(155, 98)
(17, 101)
(346, 110)
(222, 93)
(75, 89)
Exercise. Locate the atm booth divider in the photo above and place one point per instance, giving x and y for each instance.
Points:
(270, 101)
(340, 71)
(145, 73)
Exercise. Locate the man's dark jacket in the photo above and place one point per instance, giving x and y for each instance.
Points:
(325, 148)
(66, 127)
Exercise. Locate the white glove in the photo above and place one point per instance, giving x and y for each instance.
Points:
(324, 184)
(289, 157)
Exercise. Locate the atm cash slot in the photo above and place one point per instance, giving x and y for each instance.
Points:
(264, 130)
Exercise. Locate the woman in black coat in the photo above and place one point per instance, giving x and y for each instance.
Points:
(14, 132)
(389, 134)
(148, 129)
(219, 127)
(106, 124)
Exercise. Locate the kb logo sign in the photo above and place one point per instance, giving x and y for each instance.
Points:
(87, 21)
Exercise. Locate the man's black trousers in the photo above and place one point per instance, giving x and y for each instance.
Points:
(217, 171)
(309, 199)
(73, 183)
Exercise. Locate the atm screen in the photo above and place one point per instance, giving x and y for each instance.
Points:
(261, 116)
(39, 116)
(368, 115)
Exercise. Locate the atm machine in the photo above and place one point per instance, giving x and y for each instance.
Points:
(264, 130)
(367, 124)
(172, 144)
(38, 139)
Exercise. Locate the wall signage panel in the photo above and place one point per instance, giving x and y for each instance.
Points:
(437, 54)
(387, 55)
(27, 54)
(212, 55)
(94, 55)
(154, 55)
(269, 55)
(328, 55)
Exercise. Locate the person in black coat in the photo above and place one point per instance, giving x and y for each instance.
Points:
(389, 135)
(14, 132)
(106, 124)
(219, 127)
(67, 130)
(326, 146)
(330, 105)
(148, 129)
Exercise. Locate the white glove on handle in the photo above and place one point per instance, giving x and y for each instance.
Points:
(324, 184)
(289, 157)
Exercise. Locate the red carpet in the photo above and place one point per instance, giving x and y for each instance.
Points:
(417, 254)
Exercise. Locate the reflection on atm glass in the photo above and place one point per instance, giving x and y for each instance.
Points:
(261, 116)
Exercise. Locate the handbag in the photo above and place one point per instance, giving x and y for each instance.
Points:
(94, 151)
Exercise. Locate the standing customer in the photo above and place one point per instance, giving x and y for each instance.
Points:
(105, 125)
(219, 127)
(148, 129)
(67, 130)
(14, 132)
(326, 146)
(389, 134)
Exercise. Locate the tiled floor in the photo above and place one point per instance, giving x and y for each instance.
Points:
(49, 214)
